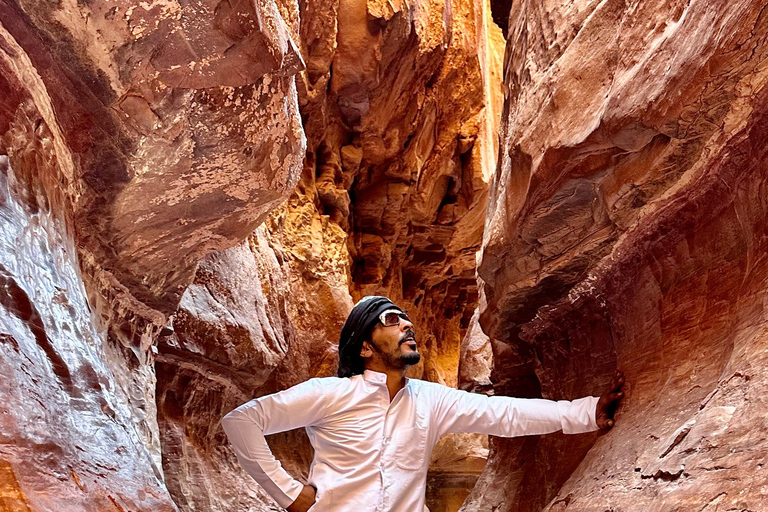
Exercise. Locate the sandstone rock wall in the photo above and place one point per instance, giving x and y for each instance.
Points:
(174, 148)
(395, 106)
(400, 105)
(160, 133)
(259, 317)
(626, 228)
(69, 439)
(151, 135)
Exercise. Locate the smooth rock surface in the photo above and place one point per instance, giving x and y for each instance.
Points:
(69, 439)
(155, 134)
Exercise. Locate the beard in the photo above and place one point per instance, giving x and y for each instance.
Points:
(399, 360)
(409, 359)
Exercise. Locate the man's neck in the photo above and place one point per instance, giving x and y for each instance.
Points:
(395, 379)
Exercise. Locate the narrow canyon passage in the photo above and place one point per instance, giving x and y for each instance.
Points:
(194, 194)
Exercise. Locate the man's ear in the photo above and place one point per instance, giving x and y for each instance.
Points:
(366, 350)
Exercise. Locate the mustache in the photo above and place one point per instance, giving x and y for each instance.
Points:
(410, 334)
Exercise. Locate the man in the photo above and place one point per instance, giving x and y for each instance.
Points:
(373, 429)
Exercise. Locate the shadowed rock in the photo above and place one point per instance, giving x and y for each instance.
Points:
(625, 229)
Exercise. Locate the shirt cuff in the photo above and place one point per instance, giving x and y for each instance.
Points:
(578, 416)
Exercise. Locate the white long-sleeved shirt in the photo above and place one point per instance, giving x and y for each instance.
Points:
(372, 455)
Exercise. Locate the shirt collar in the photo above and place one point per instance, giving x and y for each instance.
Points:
(372, 376)
(379, 377)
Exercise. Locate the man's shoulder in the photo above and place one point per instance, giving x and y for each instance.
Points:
(327, 382)
(425, 386)
(437, 392)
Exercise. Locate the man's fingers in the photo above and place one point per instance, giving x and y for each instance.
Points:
(609, 402)
(604, 423)
(617, 381)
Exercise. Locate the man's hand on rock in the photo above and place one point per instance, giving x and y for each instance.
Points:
(305, 500)
(609, 401)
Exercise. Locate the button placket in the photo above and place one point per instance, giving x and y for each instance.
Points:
(385, 452)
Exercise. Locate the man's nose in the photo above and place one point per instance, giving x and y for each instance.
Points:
(406, 325)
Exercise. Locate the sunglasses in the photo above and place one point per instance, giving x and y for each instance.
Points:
(392, 317)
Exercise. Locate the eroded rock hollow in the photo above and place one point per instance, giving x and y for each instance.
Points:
(194, 194)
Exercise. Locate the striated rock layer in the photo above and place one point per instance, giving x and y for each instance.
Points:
(627, 228)
(152, 134)
(160, 135)
(169, 147)
(399, 110)
(68, 436)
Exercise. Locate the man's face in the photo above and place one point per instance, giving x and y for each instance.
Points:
(395, 345)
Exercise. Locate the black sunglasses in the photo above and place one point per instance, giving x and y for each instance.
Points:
(392, 317)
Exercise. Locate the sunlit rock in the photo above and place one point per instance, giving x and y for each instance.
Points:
(70, 440)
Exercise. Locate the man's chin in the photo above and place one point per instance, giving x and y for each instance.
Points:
(410, 359)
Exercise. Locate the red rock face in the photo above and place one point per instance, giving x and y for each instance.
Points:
(396, 107)
(149, 146)
(69, 439)
(626, 228)
(246, 327)
(173, 147)
(162, 132)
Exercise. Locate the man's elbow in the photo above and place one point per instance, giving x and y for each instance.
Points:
(230, 419)
(245, 414)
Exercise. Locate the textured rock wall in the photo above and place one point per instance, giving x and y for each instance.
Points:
(68, 436)
(174, 147)
(400, 105)
(253, 322)
(161, 133)
(385, 133)
(627, 228)
(152, 134)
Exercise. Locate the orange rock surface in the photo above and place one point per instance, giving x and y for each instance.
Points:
(395, 117)
(157, 137)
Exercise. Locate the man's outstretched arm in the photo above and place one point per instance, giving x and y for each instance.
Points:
(246, 426)
(459, 411)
